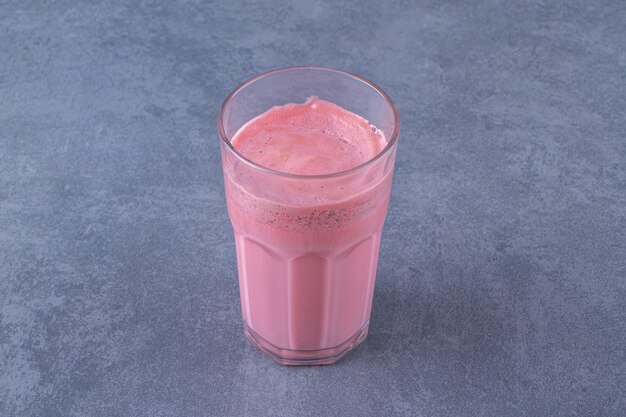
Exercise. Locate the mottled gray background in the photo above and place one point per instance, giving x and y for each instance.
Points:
(501, 288)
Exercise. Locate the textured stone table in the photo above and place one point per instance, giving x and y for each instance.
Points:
(502, 280)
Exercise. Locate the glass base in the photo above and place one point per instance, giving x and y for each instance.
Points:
(305, 357)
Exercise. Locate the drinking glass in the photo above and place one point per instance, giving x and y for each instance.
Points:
(307, 245)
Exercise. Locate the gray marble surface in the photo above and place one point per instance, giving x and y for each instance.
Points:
(502, 280)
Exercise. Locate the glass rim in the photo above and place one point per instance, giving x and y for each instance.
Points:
(226, 140)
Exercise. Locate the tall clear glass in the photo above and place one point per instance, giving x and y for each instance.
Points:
(307, 266)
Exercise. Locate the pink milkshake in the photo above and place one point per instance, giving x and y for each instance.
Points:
(307, 226)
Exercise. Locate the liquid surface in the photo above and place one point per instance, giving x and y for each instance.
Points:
(313, 138)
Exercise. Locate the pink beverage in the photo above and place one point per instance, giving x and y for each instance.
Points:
(307, 187)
